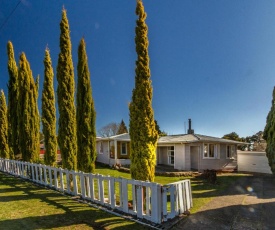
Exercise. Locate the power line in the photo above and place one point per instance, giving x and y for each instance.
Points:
(11, 13)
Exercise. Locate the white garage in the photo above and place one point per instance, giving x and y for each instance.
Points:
(249, 161)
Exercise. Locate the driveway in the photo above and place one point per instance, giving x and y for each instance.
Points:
(248, 204)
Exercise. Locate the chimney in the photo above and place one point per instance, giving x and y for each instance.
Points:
(190, 130)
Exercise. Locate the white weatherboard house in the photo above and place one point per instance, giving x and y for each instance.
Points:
(183, 152)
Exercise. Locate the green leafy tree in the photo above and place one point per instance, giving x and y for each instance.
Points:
(85, 113)
(269, 134)
(232, 136)
(48, 112)
(142, 124)
(122, 128)
(4, 146)
(28, 114)
(13, 93)
(65, 98)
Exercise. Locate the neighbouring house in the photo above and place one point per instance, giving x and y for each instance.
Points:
(183, 152)
(43, 150)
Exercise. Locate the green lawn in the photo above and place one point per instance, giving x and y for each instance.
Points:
(202, 191)
(26, 206)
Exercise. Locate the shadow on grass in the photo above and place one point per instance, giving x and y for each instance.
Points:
(26, 206)
(249, 203)
(242, 185)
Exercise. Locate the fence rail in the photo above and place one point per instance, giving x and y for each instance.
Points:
(152, 201)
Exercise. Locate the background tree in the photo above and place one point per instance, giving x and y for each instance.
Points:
(65, 98)
(109, 130)
(4, 146)
(160, 133)
(235, 137)
(142, 124)
(232, 136)
(28, 114)
(269, 134)
(122, 128)
(13, 93)
(48, 112)
(85, 114)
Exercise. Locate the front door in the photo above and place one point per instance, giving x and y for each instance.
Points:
(194, 152)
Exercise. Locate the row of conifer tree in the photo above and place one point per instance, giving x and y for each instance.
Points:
(19, 123)
(20, 120)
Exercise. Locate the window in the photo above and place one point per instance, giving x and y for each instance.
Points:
(171, 155)
(230, 149)
(101, 148)
(123, 149)
(209, 150)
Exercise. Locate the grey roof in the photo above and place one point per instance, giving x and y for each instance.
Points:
(189, 138)
(181, 138)
(120, 137)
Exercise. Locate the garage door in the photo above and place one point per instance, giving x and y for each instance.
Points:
(253, 162)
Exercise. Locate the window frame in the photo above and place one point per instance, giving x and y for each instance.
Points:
(170, 156)
(206, 154)
(121, 148)
(231, 151)
(100, 147)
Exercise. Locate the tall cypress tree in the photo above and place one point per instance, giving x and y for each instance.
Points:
(122, 128)
(142, 125)
(269, 134)
(28, 114)
(13, 92)
(48, 112)
(65, 98)
(4, 146)
(85, 113)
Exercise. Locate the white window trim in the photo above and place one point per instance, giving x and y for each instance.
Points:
(125, 148)
(169, 155)
(232, 148)
(215, 151)
(100, 147)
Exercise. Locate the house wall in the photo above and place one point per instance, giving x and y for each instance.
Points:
(162, 155)
(180, 157)
(217, 163)
(121, 156)
(102, 156)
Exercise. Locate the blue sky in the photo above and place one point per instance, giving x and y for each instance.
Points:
(212, 61)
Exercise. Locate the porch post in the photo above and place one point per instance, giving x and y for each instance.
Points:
(115, 142)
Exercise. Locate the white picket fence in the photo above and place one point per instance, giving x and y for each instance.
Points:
(161, 202)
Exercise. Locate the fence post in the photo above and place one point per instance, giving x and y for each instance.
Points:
(55, 178)
(61, 179)
(68, 183)
(181, 198)
(112, 193)
(156, 203)
(32, 171)
(75, 182)
(82, 185)
(139, 190)
(91, 182)
(100, 189)
(124, 183)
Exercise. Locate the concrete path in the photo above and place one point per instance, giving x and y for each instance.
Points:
(248, 204)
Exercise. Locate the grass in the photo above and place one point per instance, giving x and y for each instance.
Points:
(26, 206)
(202, 191)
